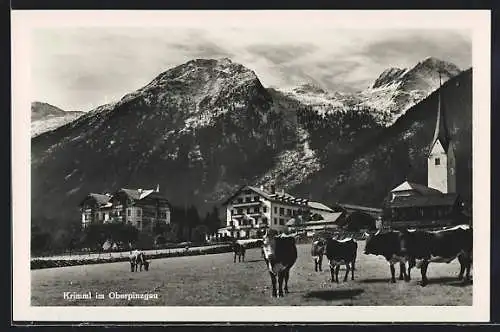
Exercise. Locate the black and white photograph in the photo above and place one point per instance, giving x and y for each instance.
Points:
(328, 165)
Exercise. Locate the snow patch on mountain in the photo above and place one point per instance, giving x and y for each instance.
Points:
(50, 123)
(394, 92)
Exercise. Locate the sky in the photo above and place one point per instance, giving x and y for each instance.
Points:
(84, 67)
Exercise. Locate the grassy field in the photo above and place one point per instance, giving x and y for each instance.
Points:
(214, 280)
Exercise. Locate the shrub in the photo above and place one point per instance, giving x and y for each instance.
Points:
(44, 264)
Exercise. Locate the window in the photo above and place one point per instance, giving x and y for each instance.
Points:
(129, 213)
(256, 198)
(256, 209)
(247, 199)
(248, 210)
(282, 211)
(240, 211)
(275, 221)
(275, 209)
(240, 200)
(437, 162)
(264, 209)
(138, 213)
(282, 221)
(288, 212)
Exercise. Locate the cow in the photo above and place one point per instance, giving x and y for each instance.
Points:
(341, 252)
(443, 246)
(138, 259)
(388, 244)
(239, 251)
(280, 254)
(317, 252)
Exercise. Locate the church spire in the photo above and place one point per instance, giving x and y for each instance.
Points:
(441, 131)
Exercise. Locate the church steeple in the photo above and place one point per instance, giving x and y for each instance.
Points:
(441, 158)
(441, 130)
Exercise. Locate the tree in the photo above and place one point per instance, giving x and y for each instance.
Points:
(193, 220)
(172, 233)
(159, 228)
(40, 241)
(198, 233)
(94, 236)
(212, 220)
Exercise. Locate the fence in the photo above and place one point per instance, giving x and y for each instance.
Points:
(61, 261)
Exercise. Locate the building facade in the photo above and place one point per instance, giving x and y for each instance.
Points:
(140, 208)
(95, 208)
(253, 209)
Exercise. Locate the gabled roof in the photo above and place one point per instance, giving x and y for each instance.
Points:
(240, 189)
(419, 188)
(100, 199)
(359, 207)
(319, 206)
(331, 219)
(278, 196)
(137, 194)
(421, 201)
(263, 193)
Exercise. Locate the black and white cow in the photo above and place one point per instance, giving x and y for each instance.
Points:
(317, 252)
(341, 252)
(388, 244)
(239, 251)
(138, 259)
(280, 254)
(443, 246)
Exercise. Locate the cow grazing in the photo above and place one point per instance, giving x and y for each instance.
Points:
(280, 254)
(341, 252)
(317, 252)
(138, 260)
(239, 251)
(388, 244)
(443, 246)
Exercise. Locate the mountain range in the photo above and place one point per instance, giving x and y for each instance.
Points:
(46, 117)
(392, 93)
(202, 129)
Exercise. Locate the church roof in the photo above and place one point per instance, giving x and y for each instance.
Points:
(419, 188)
(420, 201)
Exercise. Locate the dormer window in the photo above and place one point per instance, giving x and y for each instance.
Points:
(437, 162)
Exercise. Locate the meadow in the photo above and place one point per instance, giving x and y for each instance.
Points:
(215, 280)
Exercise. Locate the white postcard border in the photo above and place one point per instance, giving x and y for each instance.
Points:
(478, 21)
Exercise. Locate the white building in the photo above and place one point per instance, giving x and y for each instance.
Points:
(252, 209)
(140, 208)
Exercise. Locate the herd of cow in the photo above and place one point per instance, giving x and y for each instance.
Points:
(412, 248)
(409, 248)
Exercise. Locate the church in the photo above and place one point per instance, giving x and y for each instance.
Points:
(413, 205)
